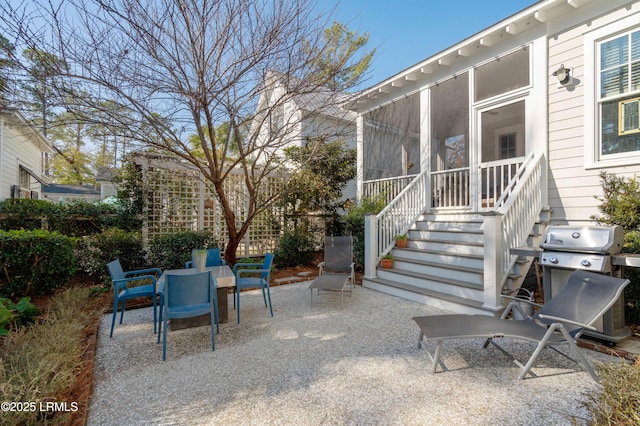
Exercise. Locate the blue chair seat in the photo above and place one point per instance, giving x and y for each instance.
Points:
(190, 311)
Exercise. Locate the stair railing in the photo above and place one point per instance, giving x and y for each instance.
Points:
(509, 225)
(395, 219)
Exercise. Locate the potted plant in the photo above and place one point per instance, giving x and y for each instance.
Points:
(401, 240)
(387, 261)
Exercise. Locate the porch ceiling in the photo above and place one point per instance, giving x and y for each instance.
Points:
(535, 15)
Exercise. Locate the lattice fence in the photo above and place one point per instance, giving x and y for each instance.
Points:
(179, 199)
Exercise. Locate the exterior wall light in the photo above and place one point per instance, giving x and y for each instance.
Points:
(563, 75)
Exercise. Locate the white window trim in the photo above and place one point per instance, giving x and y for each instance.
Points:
(592, 158)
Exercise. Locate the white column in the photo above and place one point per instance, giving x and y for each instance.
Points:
(370, 245)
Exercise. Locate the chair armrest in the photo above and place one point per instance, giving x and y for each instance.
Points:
(138, 278)
(143, 271)
(187, 264)
(244, 265)
(250, 271)
(223, 262)
(567, 321)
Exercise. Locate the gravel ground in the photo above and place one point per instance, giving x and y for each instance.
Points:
(324, 365)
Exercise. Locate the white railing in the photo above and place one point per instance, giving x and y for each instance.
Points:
(496, 177)
(510, 223)
(450, 188)
(387, 188)
(395, 219)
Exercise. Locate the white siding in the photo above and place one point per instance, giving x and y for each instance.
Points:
(19, 146)
(573, 188)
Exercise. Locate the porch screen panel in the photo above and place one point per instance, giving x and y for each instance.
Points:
(502, 75)
(450, 124)
(450, 142)
(392, 139)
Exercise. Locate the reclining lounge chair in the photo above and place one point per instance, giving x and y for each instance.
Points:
(583, 300)
(337, 270)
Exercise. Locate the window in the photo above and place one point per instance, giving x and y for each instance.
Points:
(508, 146)
(25, 179)
(618, 74)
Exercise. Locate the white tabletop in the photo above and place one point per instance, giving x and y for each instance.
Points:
(223, 274)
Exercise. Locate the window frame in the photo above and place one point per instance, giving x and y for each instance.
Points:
(593, 157)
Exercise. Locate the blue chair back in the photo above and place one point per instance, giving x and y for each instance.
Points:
(188, 290)
(266, 264)
(117, 275)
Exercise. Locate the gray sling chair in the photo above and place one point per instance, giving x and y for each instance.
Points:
(337, 270)
(582, 301)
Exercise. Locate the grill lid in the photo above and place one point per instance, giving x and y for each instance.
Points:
(584, 239)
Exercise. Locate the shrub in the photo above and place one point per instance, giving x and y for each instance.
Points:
(355, 224)
(95, 251)
(173, 250)
(34, 262)
(76, 218)
(16, 314)
(295, 248)
(620, 205)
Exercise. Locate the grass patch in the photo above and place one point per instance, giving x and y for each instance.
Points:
(40, 363)
(617, 401)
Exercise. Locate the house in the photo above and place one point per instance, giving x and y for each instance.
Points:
(289, 114)
(65, 192)
(24, 157)
(507, 131)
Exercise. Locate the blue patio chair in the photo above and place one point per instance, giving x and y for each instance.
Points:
(214, 258)
(123, 292)
(188, 296)
(241, 270)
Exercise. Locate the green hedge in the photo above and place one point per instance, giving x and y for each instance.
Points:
(173, 250)
(34, 262)
(95, 251)
(295, 248)
(76, 218)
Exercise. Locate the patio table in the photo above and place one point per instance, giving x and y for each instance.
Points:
(225, 279)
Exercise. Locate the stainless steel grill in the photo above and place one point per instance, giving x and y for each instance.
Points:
(591, 248)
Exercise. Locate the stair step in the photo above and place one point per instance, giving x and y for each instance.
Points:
(429, 277)
(429, 297)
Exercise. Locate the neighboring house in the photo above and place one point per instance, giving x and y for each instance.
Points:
(509, 131)
(65, 192)
(24, 157)
(298, 119)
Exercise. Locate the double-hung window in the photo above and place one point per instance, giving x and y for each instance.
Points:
(616, 96)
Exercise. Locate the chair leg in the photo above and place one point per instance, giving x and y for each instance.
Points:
(124, 302)
(155, 312)
(269, 296)
(238, 306)
(164, 341)
(213, 318)
(215, 310)
(160, 322)
(113, 317)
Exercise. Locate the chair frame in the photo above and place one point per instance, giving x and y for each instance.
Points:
(166, 313)
(332, 280)
(248, 283)
(122, 292)
(547, 327)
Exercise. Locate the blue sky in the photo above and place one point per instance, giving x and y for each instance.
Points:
(404, 32)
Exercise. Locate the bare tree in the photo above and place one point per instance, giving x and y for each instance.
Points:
(179, 67)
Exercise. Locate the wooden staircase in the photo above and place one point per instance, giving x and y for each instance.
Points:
(443, 263)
